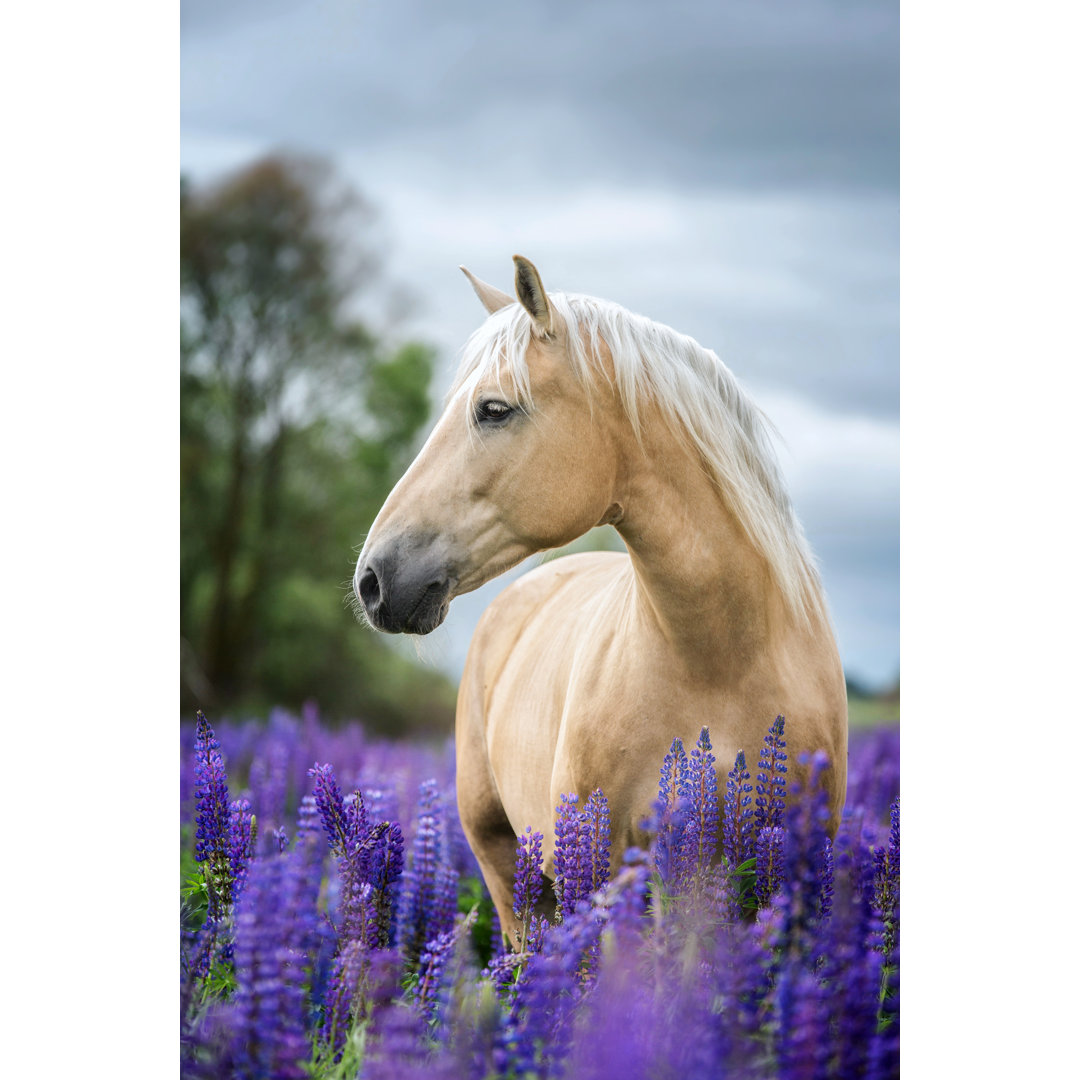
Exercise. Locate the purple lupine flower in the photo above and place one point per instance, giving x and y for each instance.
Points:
(803, 1044)
(771, 778)
(573, 873)
(887, 879)
(434, 961)
(340, 995)
(596, 824)
(308, 825)
(242, 836)
(672, 810)
(360, 919)
(386, 864)
(826, 879)
(847, 962)
(212, 818)
(528, 879)
(625, 901)
(276, 925)
(706, 808)
(540, 1024)
(420, 888)
(770, 863)
(674, 776)
(738, 818)
(331, 804)
(804, 856)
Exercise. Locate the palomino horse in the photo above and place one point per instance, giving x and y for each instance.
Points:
(569, 412)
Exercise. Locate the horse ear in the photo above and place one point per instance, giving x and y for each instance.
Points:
(493, 299)
(530, 291)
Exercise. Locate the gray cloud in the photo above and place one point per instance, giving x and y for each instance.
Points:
(797, 95)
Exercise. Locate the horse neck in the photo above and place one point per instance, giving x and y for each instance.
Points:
(699, 581)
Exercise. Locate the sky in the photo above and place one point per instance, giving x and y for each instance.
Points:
(731, 170)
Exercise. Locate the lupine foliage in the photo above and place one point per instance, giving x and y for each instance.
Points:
(349, 935)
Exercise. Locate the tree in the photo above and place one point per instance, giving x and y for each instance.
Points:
(295, 421)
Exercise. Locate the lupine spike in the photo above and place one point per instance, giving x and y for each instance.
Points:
(703, 794)
(528, 879)
(331, 804)
(738, 818)
(769, 850)
(596, 822)
(212, 818)
(571, 862)
(771, 778)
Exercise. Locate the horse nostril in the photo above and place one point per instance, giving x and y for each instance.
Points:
(370, 592)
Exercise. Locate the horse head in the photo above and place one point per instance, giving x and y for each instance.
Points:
(522, 459)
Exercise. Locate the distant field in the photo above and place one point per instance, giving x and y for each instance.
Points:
(866, 712)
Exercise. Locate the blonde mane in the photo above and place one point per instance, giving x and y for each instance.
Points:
(698, 397)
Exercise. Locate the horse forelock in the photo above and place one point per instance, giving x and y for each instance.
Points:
(698, 396)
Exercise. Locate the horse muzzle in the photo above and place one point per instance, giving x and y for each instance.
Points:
(403, 590)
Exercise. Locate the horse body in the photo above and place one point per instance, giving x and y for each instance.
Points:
(582, 672)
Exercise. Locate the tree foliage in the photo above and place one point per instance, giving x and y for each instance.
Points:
(295, 421)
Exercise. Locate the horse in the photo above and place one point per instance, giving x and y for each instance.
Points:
(569, 412)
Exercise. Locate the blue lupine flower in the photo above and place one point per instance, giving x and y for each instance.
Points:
(276, 928)
(571, 859)
(596, 826)
(887, 879)
(770, 863)
(674, 807)
(528, 878)
(804, 856)
(703, 795)
(331, 804)
(341, 994)
(429, 884)
(771, 778)
(738, 818)
(212, 818)
(242, 835)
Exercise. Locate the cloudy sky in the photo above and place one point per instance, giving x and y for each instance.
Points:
(730, 169)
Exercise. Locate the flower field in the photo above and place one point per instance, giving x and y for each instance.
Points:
(334, 923)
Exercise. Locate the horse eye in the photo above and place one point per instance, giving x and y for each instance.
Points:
(493, 411)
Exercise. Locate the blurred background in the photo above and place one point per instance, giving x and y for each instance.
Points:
(730, 170)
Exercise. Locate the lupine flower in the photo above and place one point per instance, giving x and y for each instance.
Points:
(738, 819)
(887, 879)
(770, 863)
(528, 878)
(596, 827)
(672, 810)
(706, 808)
(434, 960)
(425, 899)
(331, 804)
(771, 778)
(572, 857)
(242, 836)
(212, 818)
(385, 868)
(826, 878)
(804, 856)
(275, 930)
(341, 992)
(308, 825)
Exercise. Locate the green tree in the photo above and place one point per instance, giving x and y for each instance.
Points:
(295, 422)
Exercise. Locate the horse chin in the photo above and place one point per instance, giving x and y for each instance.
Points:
(421, 624)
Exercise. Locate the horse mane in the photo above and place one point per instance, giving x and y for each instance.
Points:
(697, 395)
